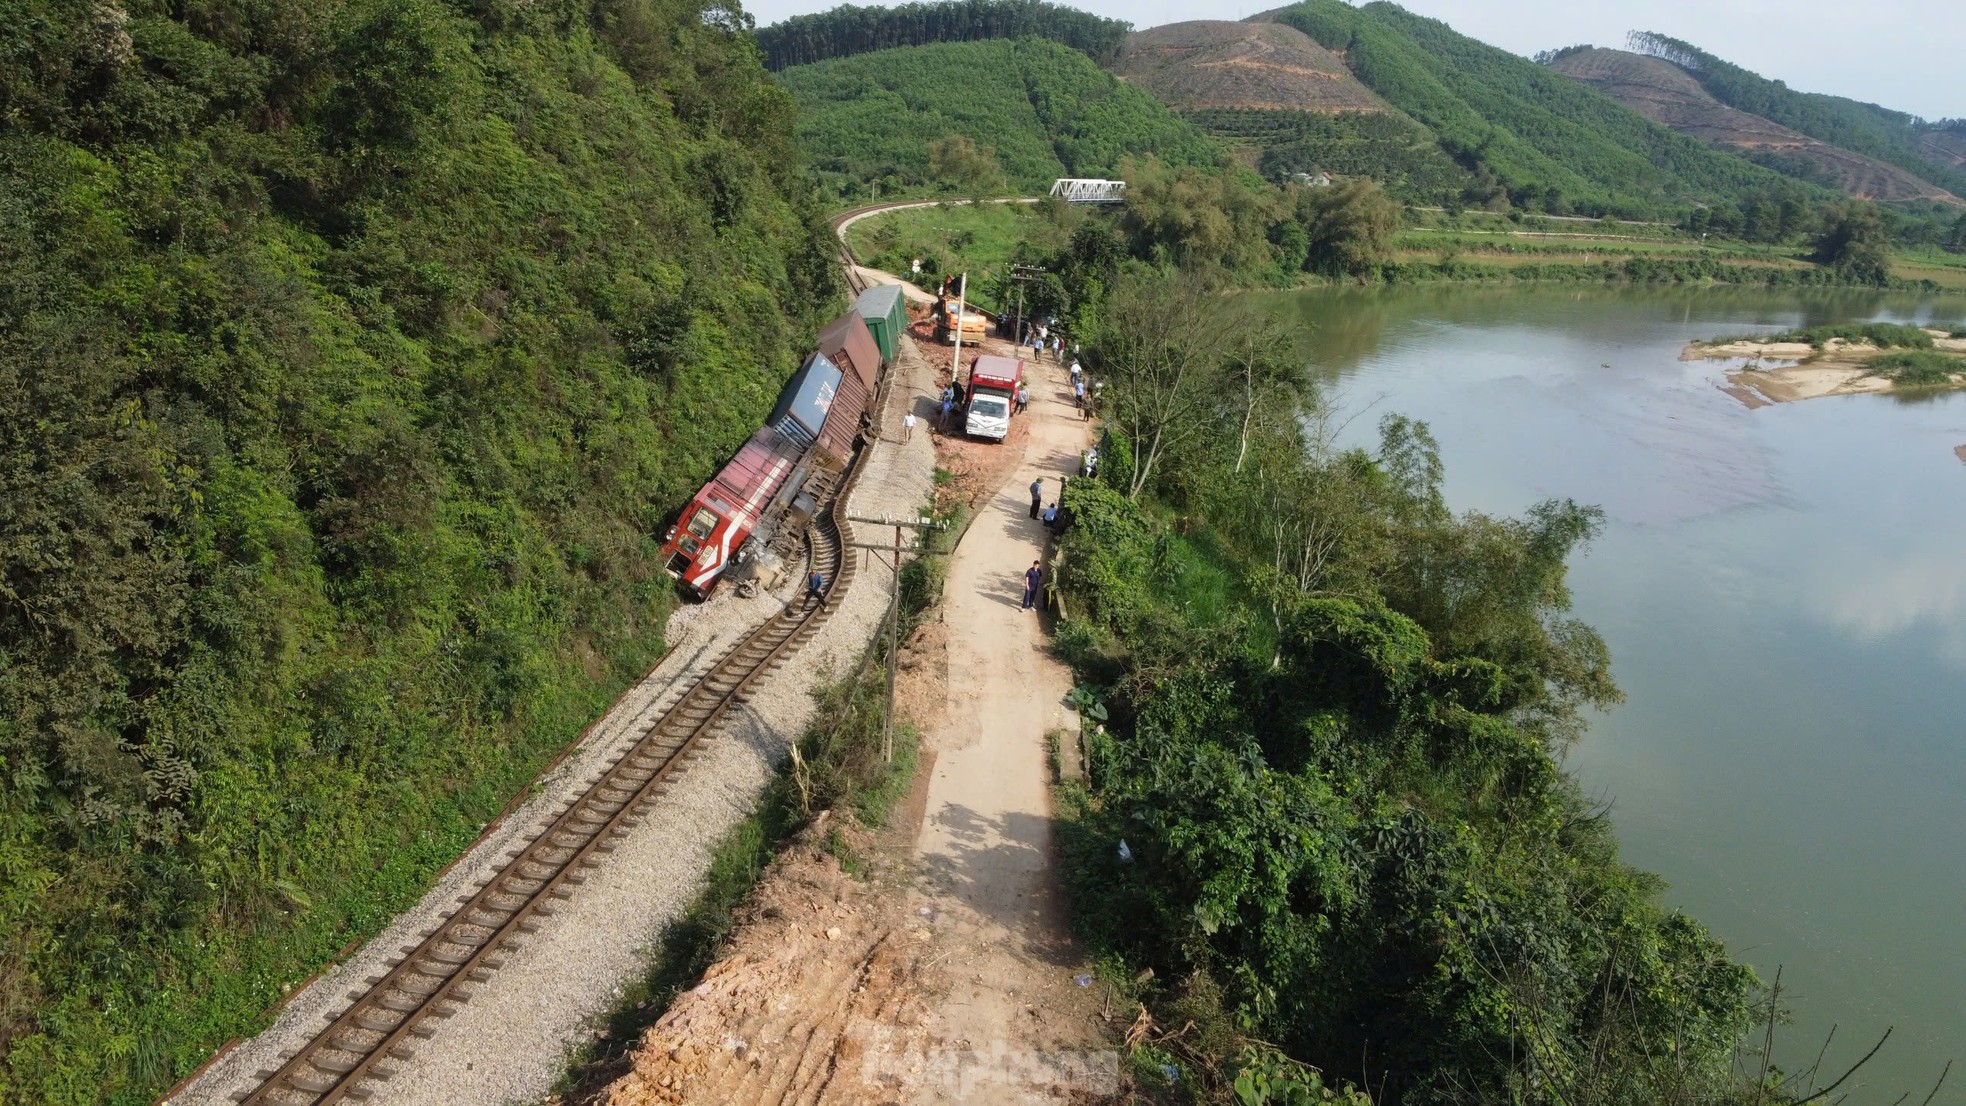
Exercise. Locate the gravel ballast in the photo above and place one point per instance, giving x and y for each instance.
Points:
(510, 1042)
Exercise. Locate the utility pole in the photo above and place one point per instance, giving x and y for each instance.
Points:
(1020, 274)
(894, 607)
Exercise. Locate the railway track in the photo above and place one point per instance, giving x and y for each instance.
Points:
(428, 981)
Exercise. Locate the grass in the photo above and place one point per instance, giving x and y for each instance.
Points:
(1944, 275)
(949, 238)
(1919, 368)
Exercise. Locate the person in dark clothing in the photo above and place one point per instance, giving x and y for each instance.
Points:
(1033, 576)
(816, 587)
(1037, 496)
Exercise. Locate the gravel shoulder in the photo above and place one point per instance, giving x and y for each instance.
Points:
(510, 1042)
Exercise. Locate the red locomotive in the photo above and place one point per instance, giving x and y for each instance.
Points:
(793, 462)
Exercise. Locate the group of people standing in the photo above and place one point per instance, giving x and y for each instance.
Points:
(1042, 338)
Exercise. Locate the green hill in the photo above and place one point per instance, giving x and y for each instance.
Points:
(1549, 142)
(349, 357)
(1890, 136)
(1042, 109)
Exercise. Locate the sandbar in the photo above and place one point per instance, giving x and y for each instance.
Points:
(1784, 372)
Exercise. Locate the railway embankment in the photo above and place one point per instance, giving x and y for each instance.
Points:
(942, 970)
(509, 1041)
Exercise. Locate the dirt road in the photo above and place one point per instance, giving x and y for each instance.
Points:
(948, 974)
(985, 848)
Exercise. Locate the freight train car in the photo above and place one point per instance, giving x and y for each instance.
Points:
(886, 315)
(792, 464)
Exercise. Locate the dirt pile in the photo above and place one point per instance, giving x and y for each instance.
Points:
(819, 960)
(1667, 94)
(1217, 64)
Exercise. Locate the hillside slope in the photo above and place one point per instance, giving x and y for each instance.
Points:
(1044, 110)
(1667, 94)
(348, 361)
(1548, 141)
(1945, 146)
(1218, 64)
(1890, 136)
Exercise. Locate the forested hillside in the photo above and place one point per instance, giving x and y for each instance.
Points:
(849, 29)
(1543, 141)
(1668, 94)
(350, 353)
(1024, 112)
(1889, 136)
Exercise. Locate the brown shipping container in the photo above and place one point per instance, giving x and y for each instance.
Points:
(848, 343)
(835, 446)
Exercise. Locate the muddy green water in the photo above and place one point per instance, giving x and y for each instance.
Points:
(1784, 593)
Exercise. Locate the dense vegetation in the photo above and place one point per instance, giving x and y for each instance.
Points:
(848, 29)
(1535, 138)
(1389, 148)
(1889, 136)
(1919, 368)
(1326, 788)
(1037, 109)
(349, 355)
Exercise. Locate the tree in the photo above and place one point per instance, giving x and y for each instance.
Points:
(1195, 218)
(1351, 226)
(958, 161)
(1855, 242)
(1156, 347)
(1263, 370)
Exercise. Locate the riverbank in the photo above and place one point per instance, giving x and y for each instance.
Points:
(1784, 371)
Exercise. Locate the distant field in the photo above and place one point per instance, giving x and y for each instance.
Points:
(1945, 274)
(1541, 245)
(949, 238)
(1584, 257)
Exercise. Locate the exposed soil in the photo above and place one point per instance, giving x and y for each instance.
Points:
(1667, 94)
(946, 972)
(1217, 64)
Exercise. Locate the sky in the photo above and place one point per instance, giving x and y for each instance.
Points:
(1904, 54)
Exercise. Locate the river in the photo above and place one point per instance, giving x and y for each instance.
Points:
(1784, 594)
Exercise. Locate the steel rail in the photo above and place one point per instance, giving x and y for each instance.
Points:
(429, 980)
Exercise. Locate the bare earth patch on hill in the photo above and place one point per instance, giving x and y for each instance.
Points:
(1667, 94)
(1217, 64)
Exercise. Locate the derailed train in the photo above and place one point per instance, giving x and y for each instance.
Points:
(794, 462)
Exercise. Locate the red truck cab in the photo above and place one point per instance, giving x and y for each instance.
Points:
(993, 384)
